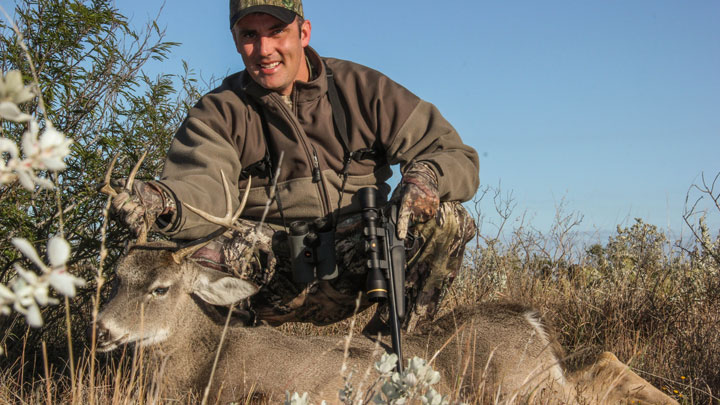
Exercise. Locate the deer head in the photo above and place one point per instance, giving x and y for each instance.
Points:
(154, 296)
(157, 283)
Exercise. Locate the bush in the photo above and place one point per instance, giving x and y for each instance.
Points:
(88, 62)
(653, 303)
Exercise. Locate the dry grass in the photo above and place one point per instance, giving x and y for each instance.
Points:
(655, 307)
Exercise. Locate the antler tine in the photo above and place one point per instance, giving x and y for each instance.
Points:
(180, 254)
(228, 220)
(134, 171)
(105, 188)
(108, 190)
(244, 200)
(142, 236)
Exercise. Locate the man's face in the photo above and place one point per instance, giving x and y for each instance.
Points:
(273, 51)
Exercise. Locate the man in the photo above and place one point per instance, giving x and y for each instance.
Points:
(340, 126)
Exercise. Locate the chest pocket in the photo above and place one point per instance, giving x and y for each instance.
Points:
(340, 121)
(261, 168)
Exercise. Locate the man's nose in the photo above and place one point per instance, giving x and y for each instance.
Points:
(266, 46)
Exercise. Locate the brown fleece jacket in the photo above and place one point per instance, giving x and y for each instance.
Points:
(224, 132)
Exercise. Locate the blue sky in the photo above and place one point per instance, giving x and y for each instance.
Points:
(611, 106)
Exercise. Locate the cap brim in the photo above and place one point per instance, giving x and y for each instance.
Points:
(282, 14)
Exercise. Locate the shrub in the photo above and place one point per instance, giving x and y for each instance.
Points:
(88, 63)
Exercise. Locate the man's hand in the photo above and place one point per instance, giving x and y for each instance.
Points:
(138, 209)
(419, 197)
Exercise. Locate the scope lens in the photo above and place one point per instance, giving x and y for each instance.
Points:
(368, 197)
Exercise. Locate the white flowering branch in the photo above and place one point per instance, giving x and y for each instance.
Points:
(41, 152)
(415, 381)
(28, 291)
(413, 385)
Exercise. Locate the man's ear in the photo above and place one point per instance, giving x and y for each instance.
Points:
(218, 288)
(305, 30)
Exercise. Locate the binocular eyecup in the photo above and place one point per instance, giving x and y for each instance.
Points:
(312, 250)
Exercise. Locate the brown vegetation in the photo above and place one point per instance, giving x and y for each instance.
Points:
(482, 353)
(654, 305)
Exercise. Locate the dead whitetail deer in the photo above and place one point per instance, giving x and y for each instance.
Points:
(167, 302)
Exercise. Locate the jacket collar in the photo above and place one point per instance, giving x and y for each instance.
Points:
(303, 92)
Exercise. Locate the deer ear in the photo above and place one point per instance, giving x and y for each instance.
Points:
(218, 288)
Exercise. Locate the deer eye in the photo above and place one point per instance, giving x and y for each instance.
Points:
(160, 291)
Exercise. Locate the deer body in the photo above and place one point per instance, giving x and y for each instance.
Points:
(169, 307)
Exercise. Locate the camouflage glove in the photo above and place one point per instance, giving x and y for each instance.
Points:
(139, 210)
(245, 252)
(419, 197)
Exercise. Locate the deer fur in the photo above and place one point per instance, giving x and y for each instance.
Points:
(490, 350)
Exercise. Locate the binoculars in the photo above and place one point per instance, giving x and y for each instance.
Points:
(312, 250)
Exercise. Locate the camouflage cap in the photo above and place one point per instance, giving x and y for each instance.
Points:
(283, 10)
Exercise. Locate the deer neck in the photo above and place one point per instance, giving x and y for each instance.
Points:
(188, 354)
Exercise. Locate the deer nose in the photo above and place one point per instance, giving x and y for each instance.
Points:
(101, 333)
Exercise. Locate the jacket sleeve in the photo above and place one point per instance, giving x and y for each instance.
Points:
(427, 136)
(201, 150)
(408, 129)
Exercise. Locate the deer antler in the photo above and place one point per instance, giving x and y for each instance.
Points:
(227, 221)
(105, 186)
(106, 189)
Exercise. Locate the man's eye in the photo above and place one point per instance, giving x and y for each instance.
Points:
(160, 291)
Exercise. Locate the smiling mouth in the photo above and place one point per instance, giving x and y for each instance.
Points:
(269, 65)
(269, 68)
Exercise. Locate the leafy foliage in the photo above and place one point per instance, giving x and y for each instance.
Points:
(88, 60)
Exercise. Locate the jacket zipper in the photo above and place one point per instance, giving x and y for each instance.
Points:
(316, 166)
(319, 178)
(312, 157)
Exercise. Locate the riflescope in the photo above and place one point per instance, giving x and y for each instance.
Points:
(386, 261)
(375, 285)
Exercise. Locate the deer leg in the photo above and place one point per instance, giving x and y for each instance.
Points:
(608, 380)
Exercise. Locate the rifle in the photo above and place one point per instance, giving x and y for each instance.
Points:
(386, 265)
